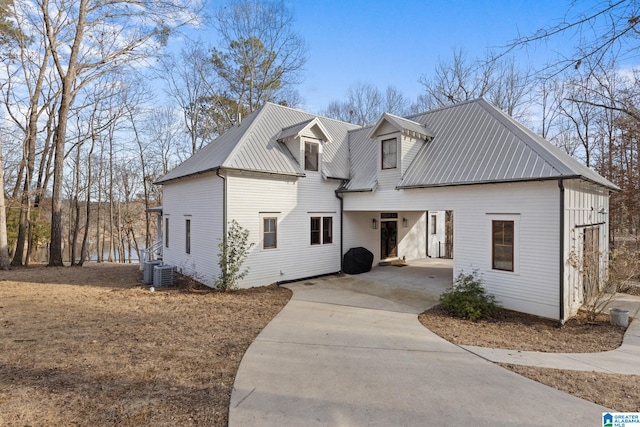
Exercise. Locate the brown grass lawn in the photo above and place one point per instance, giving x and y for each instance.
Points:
(518, 331)
(89, 346)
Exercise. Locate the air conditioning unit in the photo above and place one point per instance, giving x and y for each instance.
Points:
(163, 275)
(147, 274)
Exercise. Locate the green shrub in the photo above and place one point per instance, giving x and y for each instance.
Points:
(468, 299)
(231, 256)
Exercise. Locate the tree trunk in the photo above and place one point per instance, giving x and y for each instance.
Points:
(68, 78)
(87, 220)
(4, 249)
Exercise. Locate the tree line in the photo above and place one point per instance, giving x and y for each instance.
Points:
(85, 133)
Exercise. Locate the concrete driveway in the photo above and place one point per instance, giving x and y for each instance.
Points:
(338, 356)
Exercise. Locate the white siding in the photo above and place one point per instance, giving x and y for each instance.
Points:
(359, 231)
(293, 201)
(412, 240)
(583, 204)
(200, 200)
(534, 286)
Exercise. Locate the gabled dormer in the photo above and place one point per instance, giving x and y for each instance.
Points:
(398, 141)
(304, 141)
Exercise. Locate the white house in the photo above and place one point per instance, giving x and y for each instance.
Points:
(465, 181)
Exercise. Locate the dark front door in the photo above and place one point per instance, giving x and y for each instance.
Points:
(388, 239)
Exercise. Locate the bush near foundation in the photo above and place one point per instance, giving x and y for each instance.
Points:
(468, 299)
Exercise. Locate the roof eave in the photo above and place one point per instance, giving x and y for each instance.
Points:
(357, 190)
(164, 181)
(296, 174)
(505, 181)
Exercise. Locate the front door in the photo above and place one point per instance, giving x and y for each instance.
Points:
(388, 239)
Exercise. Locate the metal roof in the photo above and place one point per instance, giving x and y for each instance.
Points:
(467, 143)
(363, 162)
(253, 146)
(402, 125)
(475, 142)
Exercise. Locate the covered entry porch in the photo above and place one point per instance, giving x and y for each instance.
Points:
(400, 235)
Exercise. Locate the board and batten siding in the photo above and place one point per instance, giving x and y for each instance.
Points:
(435, 240)
(293, 201)
(198, 199)
(583, 203)
(535, 208)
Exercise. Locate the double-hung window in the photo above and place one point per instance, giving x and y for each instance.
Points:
(389, 154)
(269, 233)
(311, 156)
(321, 230)
(502, 243)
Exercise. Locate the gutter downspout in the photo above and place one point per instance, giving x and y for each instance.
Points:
(339, 196)
(561, 187)
(224, 208)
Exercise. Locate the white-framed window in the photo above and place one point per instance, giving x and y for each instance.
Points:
(311, 156)
(504, 242)
(434, 224)
(269, 232)
(187, 235)
(166, 232)
(321, 230)
(389, 153)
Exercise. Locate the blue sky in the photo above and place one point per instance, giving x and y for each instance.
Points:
(395, 42)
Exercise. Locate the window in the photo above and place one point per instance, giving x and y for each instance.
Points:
(310, 156)
(502, 245)
(187, 228)
(315, 230)
(166, 232)
(327, 230)
(434, 227)
(269, 233)
(321, 230)
(389, 154)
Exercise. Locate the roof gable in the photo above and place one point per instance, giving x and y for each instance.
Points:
(400, 124)
(309, 128)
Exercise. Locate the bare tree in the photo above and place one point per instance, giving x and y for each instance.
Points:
(4, 248)
(460, 79)
(260, 58)
(88, 39)
(601, 28)
(190, 82)
(457, 80)
(365, 103)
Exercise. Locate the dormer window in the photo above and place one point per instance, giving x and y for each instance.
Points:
(311, 156)
(389, 153)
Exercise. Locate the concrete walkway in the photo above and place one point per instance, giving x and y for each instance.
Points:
(336, 356)
(623, 360)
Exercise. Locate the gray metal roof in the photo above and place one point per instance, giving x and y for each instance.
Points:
(475, 142)
(403, 125)
(467, 143)
(362, 158)
(253, 146)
